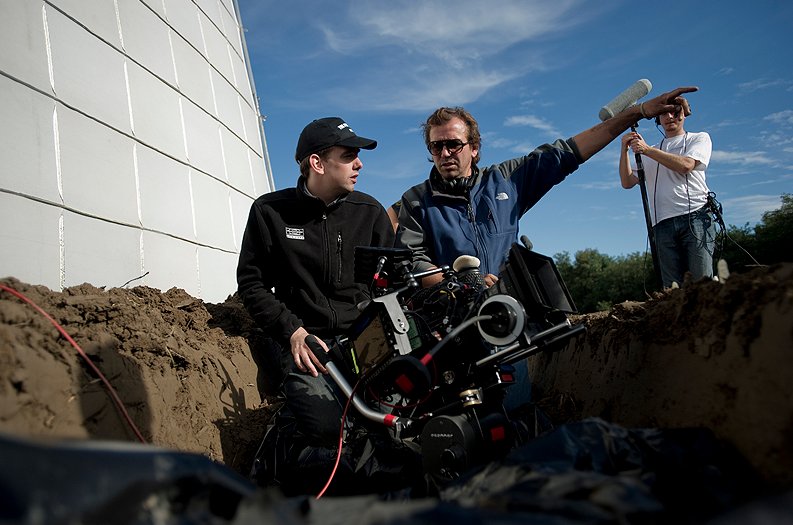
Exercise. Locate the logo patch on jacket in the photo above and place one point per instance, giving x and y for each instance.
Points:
(295, 233)
(501, 196)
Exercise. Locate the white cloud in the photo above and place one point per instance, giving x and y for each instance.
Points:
(763, 83)
(749, 208)
(781, 117)
(419, 92)
(767, 182)
(741, 157)
(523, 148)
(724, 124)
(419, 55)
(461, 31)
(534, 122)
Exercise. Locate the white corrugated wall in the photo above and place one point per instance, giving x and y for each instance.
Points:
(130, 143)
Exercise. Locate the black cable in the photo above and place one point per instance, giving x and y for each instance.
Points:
(715, 208)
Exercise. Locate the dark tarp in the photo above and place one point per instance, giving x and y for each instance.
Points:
(589, 472)
(91, 482)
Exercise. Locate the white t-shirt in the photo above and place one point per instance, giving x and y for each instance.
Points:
(671, 193)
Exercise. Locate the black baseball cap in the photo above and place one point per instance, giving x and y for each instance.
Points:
(326, 132)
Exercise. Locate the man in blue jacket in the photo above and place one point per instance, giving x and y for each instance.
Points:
(464, 210)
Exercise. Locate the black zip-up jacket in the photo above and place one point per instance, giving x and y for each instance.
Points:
(296, 265)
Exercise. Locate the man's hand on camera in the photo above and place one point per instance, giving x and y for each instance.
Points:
(304, 358)
(490, 280)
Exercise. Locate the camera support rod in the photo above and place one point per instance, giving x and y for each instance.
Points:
(520, 349)
(397, 423)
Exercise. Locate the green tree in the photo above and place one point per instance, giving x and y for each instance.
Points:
(775, 233)
(597, 281)
(628, 278)
(584, 276)
(769, 242)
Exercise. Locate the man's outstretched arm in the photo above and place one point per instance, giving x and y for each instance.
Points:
(599, 136)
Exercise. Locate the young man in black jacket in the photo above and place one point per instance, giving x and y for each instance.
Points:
(295, 271)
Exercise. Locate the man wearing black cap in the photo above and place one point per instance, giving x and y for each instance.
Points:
(295, 271)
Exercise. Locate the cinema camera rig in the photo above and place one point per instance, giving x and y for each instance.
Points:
(432, 365)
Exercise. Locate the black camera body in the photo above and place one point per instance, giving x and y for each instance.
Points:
(433, 365)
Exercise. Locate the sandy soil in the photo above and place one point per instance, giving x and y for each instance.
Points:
(711, 355)
(708, 354)
(183, 370)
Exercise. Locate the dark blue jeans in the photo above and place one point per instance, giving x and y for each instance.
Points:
(315, 402)
(685, 244)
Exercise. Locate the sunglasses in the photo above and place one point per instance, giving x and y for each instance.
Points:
(452, 146)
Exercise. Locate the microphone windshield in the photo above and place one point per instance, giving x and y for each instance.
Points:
(467, 268)
(466, 262)
(626, 99)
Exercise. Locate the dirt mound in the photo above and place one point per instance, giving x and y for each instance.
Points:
(185, 376)
(708, 354)
(711, 355)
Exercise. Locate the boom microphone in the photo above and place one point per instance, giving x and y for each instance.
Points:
(626, 99)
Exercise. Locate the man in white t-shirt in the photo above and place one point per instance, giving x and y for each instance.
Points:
(674, 171)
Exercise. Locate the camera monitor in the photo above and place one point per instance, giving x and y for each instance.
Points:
(534, 280)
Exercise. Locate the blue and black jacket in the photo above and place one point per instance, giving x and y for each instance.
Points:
(439, 222)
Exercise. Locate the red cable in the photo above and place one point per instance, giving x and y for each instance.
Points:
(341, 443)
(63, 332)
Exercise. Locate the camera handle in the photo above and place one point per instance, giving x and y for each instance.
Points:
(397, 423)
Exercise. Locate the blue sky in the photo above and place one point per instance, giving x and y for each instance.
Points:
(532, 71)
